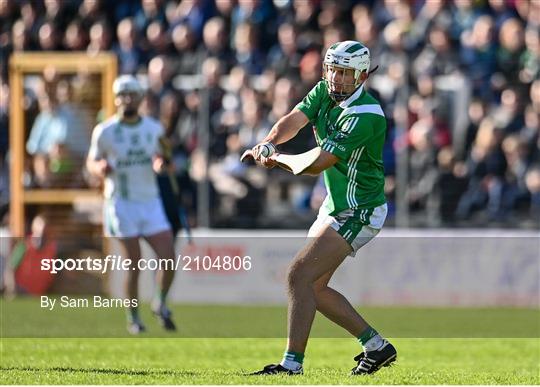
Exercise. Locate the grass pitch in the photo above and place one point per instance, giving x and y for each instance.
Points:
(225, 361)
(24, 318)
(85, 347)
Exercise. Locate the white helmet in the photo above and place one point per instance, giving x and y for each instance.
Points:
(349, 54)
(127, 83)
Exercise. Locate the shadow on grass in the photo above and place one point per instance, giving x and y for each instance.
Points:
(106, 371)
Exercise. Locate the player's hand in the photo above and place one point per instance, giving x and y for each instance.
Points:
(103, 168)
(267, 162)
(160, 165)
(256, 153)
(263, 154)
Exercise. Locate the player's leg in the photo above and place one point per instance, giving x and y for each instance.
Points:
(120, 222)
(319, 256)
(378, 352)
(356, 228)
(132, 251)
(158, 234)
(163, 245)
(329, 302)
(334, 306)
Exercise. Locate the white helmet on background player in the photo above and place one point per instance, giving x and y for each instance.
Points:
(127, 84)
(347, 55)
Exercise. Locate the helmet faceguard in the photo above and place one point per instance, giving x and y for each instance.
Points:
(128, 95)
(341, 81)
(343, 66)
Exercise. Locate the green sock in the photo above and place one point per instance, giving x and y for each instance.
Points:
(161, 295)
(370, 340)
(367, 335)
(292, 360)
(132, 314)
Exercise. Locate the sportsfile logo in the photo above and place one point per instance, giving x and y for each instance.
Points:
(109, 263)
(197, 263)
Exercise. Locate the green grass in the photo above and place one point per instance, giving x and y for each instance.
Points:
(266, 321)
(224, 361)
(90, 346)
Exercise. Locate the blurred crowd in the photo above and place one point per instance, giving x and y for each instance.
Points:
(458, 81)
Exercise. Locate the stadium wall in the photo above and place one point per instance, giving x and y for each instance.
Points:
(399, 267)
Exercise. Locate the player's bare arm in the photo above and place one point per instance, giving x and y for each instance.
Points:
(323, 162)
(287, 127)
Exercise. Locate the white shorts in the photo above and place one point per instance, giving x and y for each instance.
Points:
(357, 227)
(126, 219)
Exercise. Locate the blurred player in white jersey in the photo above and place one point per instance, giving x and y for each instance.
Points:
(125, 153)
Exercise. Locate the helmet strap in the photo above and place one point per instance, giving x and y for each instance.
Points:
(372, 71)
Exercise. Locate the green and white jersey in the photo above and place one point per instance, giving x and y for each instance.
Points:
(130, 150)
(355, 132)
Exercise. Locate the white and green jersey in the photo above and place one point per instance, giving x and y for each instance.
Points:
(355, 132)
(130, 150)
